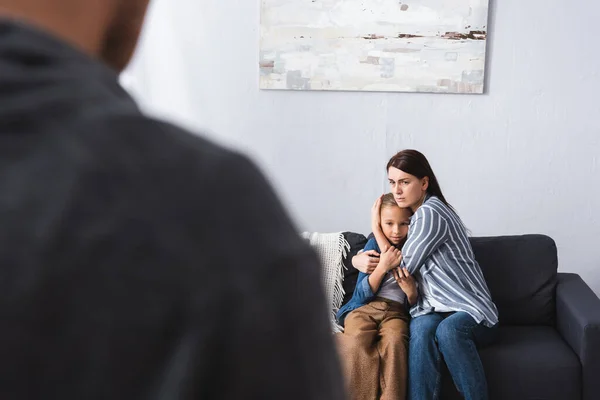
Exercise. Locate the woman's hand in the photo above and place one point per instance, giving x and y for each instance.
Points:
(366, 262)
(390, 258)
(407, 284)
(376, 215)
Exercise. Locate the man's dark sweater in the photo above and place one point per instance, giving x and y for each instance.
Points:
(137, 260)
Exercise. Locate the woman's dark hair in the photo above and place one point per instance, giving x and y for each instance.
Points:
(414, 163)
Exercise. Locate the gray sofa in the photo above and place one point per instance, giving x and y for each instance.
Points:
(549, 341)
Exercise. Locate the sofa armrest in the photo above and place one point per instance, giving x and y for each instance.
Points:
(578, 322)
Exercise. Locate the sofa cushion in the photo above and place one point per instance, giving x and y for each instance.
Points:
(521, 272)
(357, 242)
(527, 363)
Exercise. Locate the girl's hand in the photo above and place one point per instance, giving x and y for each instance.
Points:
(407, 284)
(376, 214)
(366, 262)
(390, 258)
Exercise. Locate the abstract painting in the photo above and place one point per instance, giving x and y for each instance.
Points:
(435, 46)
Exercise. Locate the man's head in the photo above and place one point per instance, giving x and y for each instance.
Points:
(105, 29)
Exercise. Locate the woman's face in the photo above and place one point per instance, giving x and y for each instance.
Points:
(409, 191)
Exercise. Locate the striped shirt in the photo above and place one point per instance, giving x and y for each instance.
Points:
(439, 254)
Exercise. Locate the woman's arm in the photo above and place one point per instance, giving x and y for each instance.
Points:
(382, 241)
(428, 231)
(366, 261)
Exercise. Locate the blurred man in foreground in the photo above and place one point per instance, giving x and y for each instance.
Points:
(136, 260)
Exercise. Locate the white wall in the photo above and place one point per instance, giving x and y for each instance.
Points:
(523, 158)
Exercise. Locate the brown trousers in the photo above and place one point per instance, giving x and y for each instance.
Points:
(374, 351)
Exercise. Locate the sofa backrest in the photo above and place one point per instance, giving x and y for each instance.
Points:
(521, 273)
(357, 242)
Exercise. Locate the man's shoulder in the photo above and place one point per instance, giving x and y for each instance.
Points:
(147, 136)
(134, 143)
(172, 168)
(161, 166)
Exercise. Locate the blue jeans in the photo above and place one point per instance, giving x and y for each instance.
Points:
(455, 338)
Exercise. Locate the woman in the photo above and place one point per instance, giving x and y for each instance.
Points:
(454, 313)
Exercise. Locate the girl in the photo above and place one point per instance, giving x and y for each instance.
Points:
(374, 344)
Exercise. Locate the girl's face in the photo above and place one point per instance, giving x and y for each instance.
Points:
(409, 191)
(394, 223)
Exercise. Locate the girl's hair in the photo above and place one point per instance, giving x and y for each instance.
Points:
(414, 163)
(387, 200)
